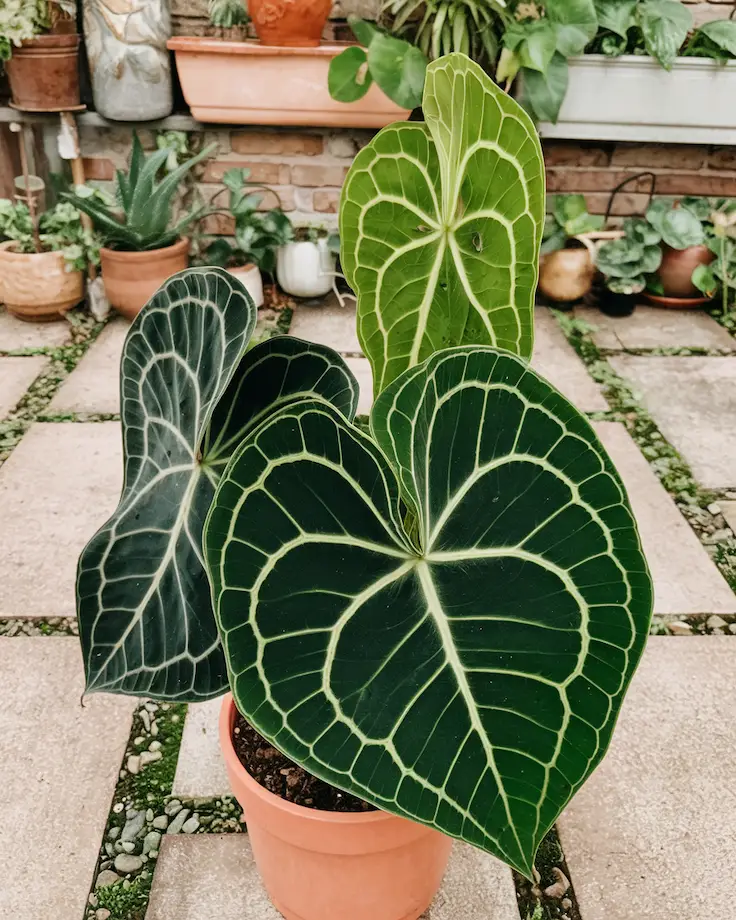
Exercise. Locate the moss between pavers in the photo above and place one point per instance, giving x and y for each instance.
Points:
(38, 626)
(697, 505)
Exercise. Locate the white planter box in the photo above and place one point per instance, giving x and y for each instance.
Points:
(632, 98)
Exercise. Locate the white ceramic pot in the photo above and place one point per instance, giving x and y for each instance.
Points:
(306, 269)
(250, 277)
(632, 98)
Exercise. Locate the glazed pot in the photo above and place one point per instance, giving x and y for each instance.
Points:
(36, 286)
(44, 74)
(132, 278)
(567, 274)
(676, 269)
(322, 865)
(250, 277)
(306, 269)
(289, 23)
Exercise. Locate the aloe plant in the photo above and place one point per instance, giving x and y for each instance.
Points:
(142, 216)
(440, 615)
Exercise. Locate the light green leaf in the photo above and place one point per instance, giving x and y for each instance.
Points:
(545, 93)
(538, 46)
(616, 15)
(568, 207)
(665, 25)
(508, 66)
(348, 78)
(188, 398)
(441, 223)
(721, 32)
(364, 30)
(464, 663)
(704, 279)
(576, 21)
(398, 68)
(680, 229)
(634, 285)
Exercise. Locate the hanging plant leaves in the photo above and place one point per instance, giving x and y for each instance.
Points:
(188, 396)
(416, 199)
(443, 619)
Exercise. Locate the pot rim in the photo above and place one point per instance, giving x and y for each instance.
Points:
(203, 44)
(55, 40)
(227, 718)
(145, 255)
(9, 247)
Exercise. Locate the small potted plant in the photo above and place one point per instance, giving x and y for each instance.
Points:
(628, 265)
(42, 268)
(258, 234)
(39, 45)
(371, 597)
(566, 266)
(143, 242)
(719, 276)
(306, 266)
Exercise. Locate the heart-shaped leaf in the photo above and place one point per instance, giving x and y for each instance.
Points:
(442, 620)
(616, 15)
(576, 22)
(189, 395)
(664, 24)
(441, 224)
(348, 78)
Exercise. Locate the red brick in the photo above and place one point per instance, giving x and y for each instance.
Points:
(327, 200)
(722, 158)
(218, 225)
(697, 184)
(277, 142)
(313, 175)
(98, 168)
(625, 205)
(565, 154)
(659, 156)
(593, 180)
(269, 173)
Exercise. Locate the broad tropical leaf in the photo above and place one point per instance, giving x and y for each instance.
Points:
(188, 396)
(440, 225)
(442, 620)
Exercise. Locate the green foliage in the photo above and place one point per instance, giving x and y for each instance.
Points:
(569, 218)
(258, 234)
(677, 227)
(716, 39)
(627, 263)
(60, 230)
(21, 20)
(438, 252)
(397, 66)
(142, 217)
(227, 13)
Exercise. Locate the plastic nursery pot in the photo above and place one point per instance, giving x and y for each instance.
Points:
(321, 865)
(250, 277)
(567, 274)
(44, 74)
(614, 304)
(306, 269)
(289, 23)
(36, 286)
(676, 269)
(132, 278)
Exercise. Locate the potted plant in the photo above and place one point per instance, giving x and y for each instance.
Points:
(372, 598)
(258, 234)
(566, 267)
(684, 248)
(39, 45)
(628, 265)
(307, 265)
(144, 243)
(719, 276)
(42, 268)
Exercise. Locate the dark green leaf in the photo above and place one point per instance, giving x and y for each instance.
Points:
(722, 32)
(399, 69)
(538, 46)
(545, 93)
(364, 30)
(704, 280)
(348, 78)
(616, 15)
(576, 21)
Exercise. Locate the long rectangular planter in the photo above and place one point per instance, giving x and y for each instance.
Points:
(632, 98)
(246, 83)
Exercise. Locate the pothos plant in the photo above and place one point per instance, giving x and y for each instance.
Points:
(440, 615)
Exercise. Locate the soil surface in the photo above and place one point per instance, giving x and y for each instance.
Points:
(275, 772)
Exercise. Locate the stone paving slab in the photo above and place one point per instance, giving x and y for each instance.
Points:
(686, 581)
(213, 877)
(361, 367)
(59, 763)
(656, 327)
(651, 834)
(728, 510)
(59, 485)
(16, 375)
(200, 770)
(327, 323)
(555, 359)
(94, 385)
(693, 401)
(16, 333)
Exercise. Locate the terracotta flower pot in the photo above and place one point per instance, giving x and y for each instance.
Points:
(132, 278)
(44, 74)
(36, 286)
(677, 268)
(321, 865)
(289, 23)
(250, 277)
(567, 274)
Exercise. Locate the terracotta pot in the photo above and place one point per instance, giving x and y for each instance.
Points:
(44, 74)
(306, 269)
(250, 277)
(289, 23)
(247, 83)
(36, 286)
(321, 865)
(677, 268)
(132, 278)
(567, 274)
